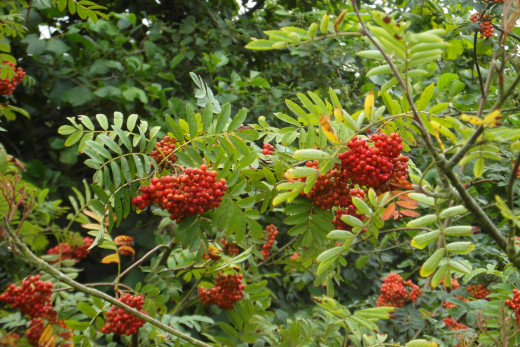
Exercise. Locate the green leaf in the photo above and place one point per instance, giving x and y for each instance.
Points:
(287, 119)
(460, 247)
(107, 141)
(192, 121)
(425, 97)
(223, 117)
(422, 221)
(86, 309)
(351, 220)
(421, 343)
(130, 122)
(458, 267)
(432, 262)
(310, 154)
(423, 240)
(100, 193)
(340, 234)
(86, 122)
(73, 138)
(453, 211)
(99, 149)
(260, 45)
(361, 206)
(330, 253)
(478, 167)
(298, 172)
(440, 275)
(422, 198)
(460, 230)
(102, 120)
(238, 119)
(123, 137)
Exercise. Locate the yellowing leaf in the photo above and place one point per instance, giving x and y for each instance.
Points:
(369, 105)
(327, 129)
(493, 118)
(124, 240)
(111, 258)
(46, 338)
(471, 119)
(126, 251)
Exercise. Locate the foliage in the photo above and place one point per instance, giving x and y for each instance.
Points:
(396, 152)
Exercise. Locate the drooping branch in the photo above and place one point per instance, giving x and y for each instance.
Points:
(30, 257)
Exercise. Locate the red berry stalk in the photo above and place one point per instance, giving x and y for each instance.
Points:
(394, 292)
(272, 231)
(66, 251)
(268, 149)
(191, 193)
(7, 86)
(121, 322)
(32, 297)
(163, 154)
(228, 290)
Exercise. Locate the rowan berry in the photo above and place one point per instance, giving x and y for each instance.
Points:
(228, 289)
(32, 297)
(268, 149)
(478, 291)
(10, 340)
(121, 322)
(7, 86)
(36, 328)
(191, 193)
(66, 251)
(229, 248)
(394, 293)
(163, 154)
(272, 232)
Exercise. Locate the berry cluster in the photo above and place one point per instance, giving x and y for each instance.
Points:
(294, 256)
(514, 303)
(453, 324)
(478, 291)
(33, 297)
(8, 86)
(36, 328)
(374, 166)
(228, 290)
(163, 152)
(268, 149)
(272, 231)
(121, 322)
(191, 193)
(66, 251)
(394, 293)
(229, 248)
(212, 253)
(486, 27)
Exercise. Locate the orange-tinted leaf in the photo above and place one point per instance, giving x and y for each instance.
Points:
(412, 204)
(389, 212)
(46, 338)
(111, 258)
(126, 251)
(124, 240)
(92, 215)
(90, 226)
(410, 213)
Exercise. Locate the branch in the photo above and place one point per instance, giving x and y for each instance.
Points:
(475, 58)
(140, 261)
(30, 257)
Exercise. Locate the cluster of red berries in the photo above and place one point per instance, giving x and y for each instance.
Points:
(121, 322)
(66, 251)
(394, 292)
(268, 149)
(478, 291)
(191, 193)
(486, 27)
(36, 328)
(7, 86)
(228, 290)
(372, 166)
(453, 324)
(514, 303)
(294, 256)
(272, 231)
(229, 248)
(163, 154)
(32, 297)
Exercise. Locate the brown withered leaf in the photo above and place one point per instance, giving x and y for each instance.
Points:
(124, 240)
(390, 211)
(126, 251)
(47, 339)
(412, 204)
(111, 258)
(410, 213)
